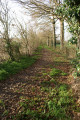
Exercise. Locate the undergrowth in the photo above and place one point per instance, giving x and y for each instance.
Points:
(57, 72)
(57, 105)
(9, 67)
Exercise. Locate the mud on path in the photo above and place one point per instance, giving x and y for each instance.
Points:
(26, 84)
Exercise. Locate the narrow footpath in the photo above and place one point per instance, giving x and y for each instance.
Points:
(27, 83)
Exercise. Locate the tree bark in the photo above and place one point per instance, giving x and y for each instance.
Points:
(61, 34)
(54, 37)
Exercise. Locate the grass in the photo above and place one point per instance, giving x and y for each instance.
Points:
(12, 67)
(58, 52)
(9, 68)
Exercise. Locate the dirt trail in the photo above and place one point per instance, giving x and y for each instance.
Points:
(25, 82)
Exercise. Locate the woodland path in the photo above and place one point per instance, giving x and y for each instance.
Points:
(26, 84)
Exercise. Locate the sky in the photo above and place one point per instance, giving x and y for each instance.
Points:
(17, 11)
(19, 15)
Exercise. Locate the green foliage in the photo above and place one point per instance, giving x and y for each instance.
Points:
(76, 65)
(45, 83)
(56, 110)
(74, 61)
(73, 40)
(45, 89)
(78, 69)
(59, 104)
(55, 72)
(2, 103)
(5, 113)
(53, 81)
(70, 11)
(39, 49)
(74, 4)
(3, 74)
(44, 74)
(12, 67)
(63, 87)
(63, 74)
(74, 74)
(55, 106)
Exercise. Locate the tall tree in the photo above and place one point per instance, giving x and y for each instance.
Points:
(42, 9)
(57, 3)
(62, 33)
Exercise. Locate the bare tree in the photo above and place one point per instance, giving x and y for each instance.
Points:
(5, 23)
(23, 33)
(41, 9)
(45, 9)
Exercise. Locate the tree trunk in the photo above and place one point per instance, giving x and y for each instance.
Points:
(51, 43)
(48, 41)
(61, 34)
(9, 49)
(54, 37)
(78, 42)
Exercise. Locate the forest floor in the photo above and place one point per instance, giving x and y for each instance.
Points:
(35, 85)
